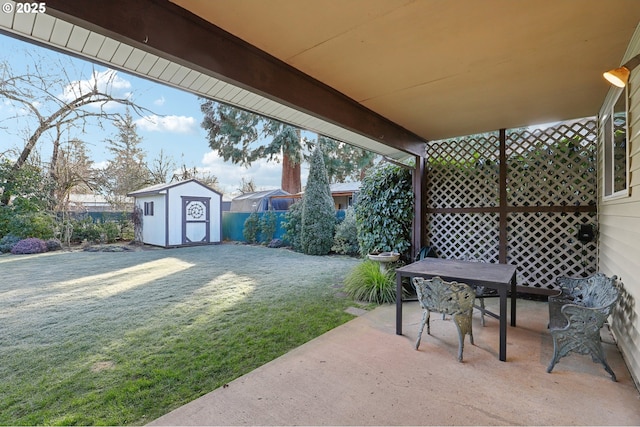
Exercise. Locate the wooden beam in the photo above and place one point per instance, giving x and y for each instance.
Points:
(419, 219)
(167, 30)
(504, 219)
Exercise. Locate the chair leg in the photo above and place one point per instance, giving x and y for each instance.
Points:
(598, 356)
(460, 345)
(464, 326)
(425, 320)
(563, 346)
(482, 311)
(555, 357)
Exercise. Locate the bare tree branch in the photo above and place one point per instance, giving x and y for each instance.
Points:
(57, 103)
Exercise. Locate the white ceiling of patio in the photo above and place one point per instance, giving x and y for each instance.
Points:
(438, 68)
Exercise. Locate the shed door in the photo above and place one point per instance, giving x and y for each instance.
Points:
(195, 219)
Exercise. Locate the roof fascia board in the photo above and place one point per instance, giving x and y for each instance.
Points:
(167, 30)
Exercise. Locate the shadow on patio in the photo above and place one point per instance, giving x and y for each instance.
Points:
(361, 373)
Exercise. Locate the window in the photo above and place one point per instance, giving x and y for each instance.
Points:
(616, 154)
(148, 208)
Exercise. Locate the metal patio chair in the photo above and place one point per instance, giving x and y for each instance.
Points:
(482, 292)
(577, 314)
(453, 298)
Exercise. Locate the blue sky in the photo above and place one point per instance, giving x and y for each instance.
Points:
(172, 125)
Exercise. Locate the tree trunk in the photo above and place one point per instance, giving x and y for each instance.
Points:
(291, 182)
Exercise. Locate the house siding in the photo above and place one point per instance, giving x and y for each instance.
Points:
(619, 229)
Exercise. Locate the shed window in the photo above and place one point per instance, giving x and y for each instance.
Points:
(616, 153)
(148, 208)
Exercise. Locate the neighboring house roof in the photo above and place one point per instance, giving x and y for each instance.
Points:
(162, 188)
(82, 202)
(337, 189)
(88, 199)
(345, 187)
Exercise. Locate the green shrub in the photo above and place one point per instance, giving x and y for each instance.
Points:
(126, 227)
(251, 228)
(292, 226)
(318, 211)
(109, 231)
(8, 242)
(268, 224)
(40, 224)
(346, 238)
(384, 210)
(366, 282)
(53, 245)
(85, 229)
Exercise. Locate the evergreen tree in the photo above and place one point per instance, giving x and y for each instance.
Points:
(127, 171)
(244, 137)
(318, 211)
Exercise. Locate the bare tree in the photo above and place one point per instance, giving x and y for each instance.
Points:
(161, 168)
(247, 185)
(57, 104)
(71, 170)
(204, 177)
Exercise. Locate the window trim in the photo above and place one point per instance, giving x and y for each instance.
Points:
(148, 208)
(608, 169)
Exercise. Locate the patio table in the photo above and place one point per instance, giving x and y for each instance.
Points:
(501, 277)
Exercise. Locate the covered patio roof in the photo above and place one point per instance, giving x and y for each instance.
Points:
(386, 75)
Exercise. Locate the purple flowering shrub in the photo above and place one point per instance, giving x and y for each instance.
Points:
(31, 245)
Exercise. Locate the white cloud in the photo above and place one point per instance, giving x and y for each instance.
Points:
(101, 165)
(107, 81)
(175, 124)
(265, 175)
(159, 102)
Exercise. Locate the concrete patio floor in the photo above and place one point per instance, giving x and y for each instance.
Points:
(362, 373)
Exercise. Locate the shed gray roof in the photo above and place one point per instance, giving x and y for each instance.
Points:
(160, 188)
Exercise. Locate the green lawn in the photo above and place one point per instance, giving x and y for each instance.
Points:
(99, 338)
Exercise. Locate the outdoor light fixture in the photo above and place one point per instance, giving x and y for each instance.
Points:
(619, 76)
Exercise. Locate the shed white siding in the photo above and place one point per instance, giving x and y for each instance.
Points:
(183, 213)
(174, 215)
(619, 227)
(153, 226)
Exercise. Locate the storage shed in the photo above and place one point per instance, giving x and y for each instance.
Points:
(180, 214)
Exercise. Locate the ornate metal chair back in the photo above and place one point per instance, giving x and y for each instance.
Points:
(452, 298)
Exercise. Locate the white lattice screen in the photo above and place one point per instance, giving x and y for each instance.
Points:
(544, 246)
(550, 189)
(463, 173)
(554, 167)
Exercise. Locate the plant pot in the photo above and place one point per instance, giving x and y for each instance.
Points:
(384, 257)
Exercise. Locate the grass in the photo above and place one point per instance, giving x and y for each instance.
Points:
(94, 338)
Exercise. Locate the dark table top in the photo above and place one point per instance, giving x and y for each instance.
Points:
(475, 273)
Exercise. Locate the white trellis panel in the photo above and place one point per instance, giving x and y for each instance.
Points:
(550, 191)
